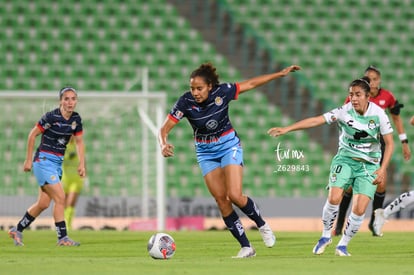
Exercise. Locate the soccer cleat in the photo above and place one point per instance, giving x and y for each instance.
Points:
(342, 251)
(267, 235)
(17, 236)
(321, 245)
(66, 241)
(245, 252)
(379, 222)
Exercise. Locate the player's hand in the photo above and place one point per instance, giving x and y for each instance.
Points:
(167, 150)
(291, 68)
(27, 166)
(276, 131)
(82, 171)
(381, 174)
(406, 151)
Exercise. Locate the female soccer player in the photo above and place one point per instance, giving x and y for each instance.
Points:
(386, 100)
(382, 215)
(71, 180)
(357, 163)
(56, 128)
(218, 148)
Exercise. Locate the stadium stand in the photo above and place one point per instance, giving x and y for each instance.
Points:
(100, 45)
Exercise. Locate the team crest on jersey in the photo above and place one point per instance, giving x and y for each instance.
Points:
(47, 126)
(218, 101)
(178, 114)
(212, 124)
(381, 102)
(333, 178)
(74, 125)
(371, 124)
(53, 177)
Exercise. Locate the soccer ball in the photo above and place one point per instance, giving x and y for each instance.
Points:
(161, 246)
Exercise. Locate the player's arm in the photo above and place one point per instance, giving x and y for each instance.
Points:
(167, 149)
(27, 166)
(412, 120)
(300, 125)
(263, 79)
(396, 118)
(80, 149)
(386, 159)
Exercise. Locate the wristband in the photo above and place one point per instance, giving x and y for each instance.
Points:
(402, 136)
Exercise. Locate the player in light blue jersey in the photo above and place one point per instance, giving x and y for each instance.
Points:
(357, 163)
(218, 148)
(56, 128)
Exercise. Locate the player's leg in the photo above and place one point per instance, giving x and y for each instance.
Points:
(215, 181)
(343, 209)
(56, 193)
(72, 188)
(355, 220)
(378, 202)
(234, 175)
(381, 215)
(329, 214)
(363, 190)
(42, 203)
(232, 163)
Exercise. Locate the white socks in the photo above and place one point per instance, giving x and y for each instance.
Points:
(329, 214)
(352, 226)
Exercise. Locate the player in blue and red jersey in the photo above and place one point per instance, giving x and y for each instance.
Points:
(218, 148)
(56, 128)
(387, 101)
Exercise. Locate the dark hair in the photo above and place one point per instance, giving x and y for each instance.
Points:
(65, 89)
(208, 72)
(373, 68)
(363, 83)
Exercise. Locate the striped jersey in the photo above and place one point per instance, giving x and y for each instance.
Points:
(359, 135)
(209, 119)
(57, 131)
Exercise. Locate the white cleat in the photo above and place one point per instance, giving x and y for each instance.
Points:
(245, 252)
(268, 237)
(379, 221)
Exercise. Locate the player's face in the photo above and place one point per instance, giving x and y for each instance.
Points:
(374, 81)
(359, 99)
(199, 89)
(68, 101)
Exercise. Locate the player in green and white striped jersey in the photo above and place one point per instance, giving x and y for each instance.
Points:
(357, 162)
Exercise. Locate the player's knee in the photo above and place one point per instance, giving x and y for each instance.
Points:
(223, 203)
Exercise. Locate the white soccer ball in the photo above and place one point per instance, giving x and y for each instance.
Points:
(161, 246)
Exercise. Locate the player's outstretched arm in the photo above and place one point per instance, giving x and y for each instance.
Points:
(300, 125)
(263, 79)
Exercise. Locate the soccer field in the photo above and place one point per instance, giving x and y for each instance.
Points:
(205, 252)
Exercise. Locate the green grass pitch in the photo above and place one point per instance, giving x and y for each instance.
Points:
(205, 252)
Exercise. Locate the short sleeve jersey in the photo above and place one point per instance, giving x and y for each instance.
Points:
(359, 135)
(209, 119)
(385, 99)
(57, 131)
